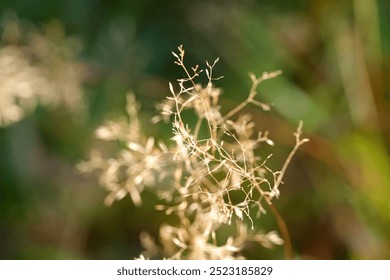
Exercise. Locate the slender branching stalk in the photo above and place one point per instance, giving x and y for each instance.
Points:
(212, 175)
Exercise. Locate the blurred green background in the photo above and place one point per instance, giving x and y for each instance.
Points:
(335, 58)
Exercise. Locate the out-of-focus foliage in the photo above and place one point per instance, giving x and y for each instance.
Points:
(335, 58)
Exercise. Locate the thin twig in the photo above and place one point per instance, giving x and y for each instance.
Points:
(288, 250)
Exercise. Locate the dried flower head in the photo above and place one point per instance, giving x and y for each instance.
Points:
(215, 175)
(37, 68)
